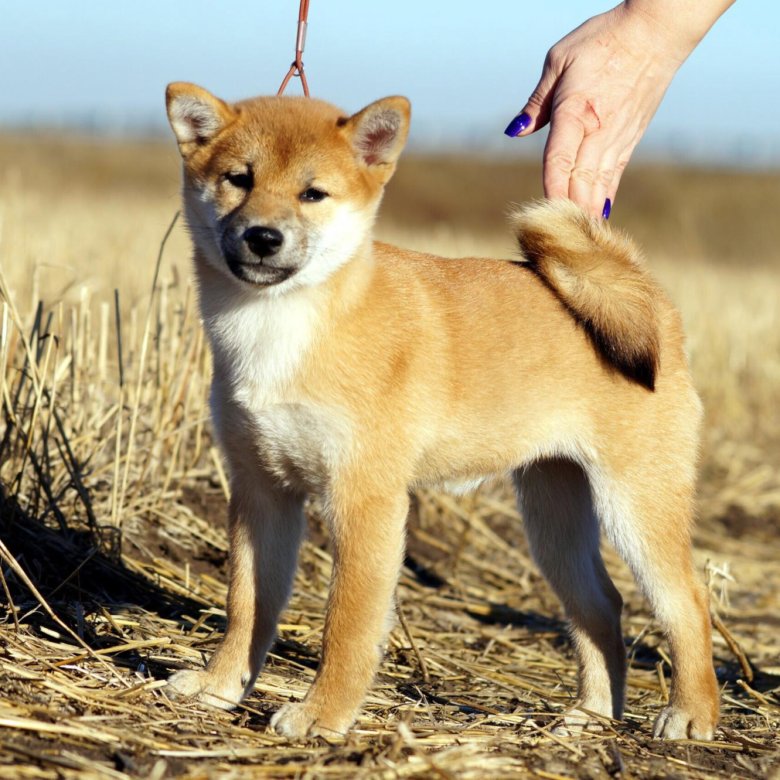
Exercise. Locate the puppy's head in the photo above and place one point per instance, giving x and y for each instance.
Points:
(279, 191)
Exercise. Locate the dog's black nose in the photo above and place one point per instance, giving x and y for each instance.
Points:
(263, 241)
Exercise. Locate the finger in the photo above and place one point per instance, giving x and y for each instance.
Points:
(620, 166)
(617, 174)
(593, 174)
(535, 114)
(560, 153)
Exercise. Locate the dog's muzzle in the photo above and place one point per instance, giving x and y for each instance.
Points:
(254, 259)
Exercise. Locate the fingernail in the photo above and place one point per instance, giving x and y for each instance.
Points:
(607, 209)
(517, 125)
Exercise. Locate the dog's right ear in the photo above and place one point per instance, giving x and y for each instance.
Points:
(196, 116)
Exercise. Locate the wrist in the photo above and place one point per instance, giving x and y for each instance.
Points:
(678, 26)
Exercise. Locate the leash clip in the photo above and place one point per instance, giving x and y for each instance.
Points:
(296, 69)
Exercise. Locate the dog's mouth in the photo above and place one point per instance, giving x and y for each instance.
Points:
(259, 274)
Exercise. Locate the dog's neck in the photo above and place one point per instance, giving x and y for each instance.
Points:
(259, 340)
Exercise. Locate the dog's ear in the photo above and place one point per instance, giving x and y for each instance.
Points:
(378, 132)
(196, 116)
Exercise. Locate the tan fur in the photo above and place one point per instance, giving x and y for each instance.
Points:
(596, 274)
(357, 370)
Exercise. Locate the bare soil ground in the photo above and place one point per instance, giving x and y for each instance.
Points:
(112, 505)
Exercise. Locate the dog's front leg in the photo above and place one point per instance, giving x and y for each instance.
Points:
(266, 527)
(368, 534)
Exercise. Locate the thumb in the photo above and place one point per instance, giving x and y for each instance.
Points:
(535, 114)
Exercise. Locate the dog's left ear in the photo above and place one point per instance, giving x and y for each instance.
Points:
(378, 133)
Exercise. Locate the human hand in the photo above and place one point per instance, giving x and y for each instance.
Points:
(599, 89)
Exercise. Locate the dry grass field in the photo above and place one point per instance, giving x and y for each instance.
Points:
(112, 501)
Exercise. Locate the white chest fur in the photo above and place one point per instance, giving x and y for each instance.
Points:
(259, 345)
(258, 342)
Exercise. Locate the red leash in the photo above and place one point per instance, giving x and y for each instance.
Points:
(296, 69)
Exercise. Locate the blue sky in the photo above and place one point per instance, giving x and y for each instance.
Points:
(467, 67)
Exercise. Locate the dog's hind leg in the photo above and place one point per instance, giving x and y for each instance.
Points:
(647, 516)
(563, 534)
(266, 527)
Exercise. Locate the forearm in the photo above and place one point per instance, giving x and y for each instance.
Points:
(683, 23)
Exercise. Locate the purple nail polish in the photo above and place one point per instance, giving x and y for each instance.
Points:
(607, 209)
(517, 125)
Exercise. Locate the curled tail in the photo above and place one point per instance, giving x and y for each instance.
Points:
(597, 274)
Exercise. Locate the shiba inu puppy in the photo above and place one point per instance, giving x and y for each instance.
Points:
(358, 371)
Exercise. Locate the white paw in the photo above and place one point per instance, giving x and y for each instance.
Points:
(300, 720)
(202, 685)
(678, 723)
(575, 722)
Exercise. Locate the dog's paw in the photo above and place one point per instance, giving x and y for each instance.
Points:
(203, 686)
(301, 720)
(576, 722)
(679, 723)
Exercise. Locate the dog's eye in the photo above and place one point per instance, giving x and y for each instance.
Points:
(313, 195)
(242, 180)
